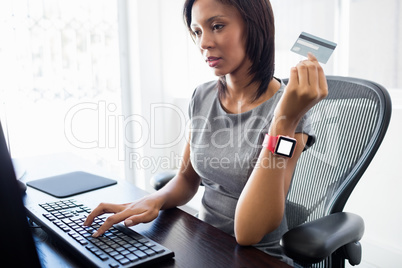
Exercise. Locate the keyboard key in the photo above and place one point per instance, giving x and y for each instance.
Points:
(132, 257)
(143, 248)
(149, 244)
(104, 247)
(109, 250)
(143, 240)
(150, 252)
(158, 249)
(140, 254)
(126, 245)
(103, 257)
(66, 221)
(118, 257)
(90, 248)
(82, 242)
(137, 245)
(78, 218)
(120, 249)
(124, 261)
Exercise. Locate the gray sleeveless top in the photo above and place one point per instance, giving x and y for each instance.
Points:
(224, 150)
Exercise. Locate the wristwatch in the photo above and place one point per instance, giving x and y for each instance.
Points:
(280, 145)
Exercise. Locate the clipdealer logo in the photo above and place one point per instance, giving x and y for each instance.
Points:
(114, 130)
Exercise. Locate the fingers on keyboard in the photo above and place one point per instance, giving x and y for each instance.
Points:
(101, 209)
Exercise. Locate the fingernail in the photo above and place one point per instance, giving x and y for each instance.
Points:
(96, 234)
(128, 223)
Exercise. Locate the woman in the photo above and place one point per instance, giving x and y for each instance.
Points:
(246, 182)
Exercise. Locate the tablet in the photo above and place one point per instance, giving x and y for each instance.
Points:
(69, 184)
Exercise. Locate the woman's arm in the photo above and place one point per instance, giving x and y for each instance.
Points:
(261, 205)
(182, 187)
(177, 192)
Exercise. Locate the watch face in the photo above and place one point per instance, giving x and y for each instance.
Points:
(285, 146)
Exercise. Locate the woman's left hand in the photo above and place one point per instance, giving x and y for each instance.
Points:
(307, 86)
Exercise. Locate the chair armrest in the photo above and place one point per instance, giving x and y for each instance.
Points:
(159, 180)
(314, 241)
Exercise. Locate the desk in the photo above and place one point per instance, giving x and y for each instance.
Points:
(195, 243)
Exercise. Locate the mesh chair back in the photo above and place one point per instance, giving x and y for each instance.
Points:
(350, 125)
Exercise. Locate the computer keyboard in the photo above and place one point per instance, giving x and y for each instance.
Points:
(117, 247)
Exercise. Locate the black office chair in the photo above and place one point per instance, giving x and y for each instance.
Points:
(350, 125)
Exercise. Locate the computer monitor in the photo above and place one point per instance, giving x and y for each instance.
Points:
(17, 247)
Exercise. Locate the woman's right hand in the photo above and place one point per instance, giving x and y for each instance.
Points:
(306, 87)
(140, 211)
(176, 193)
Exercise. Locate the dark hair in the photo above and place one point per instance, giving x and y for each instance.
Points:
(260, 33)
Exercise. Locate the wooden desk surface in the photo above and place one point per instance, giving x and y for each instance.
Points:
(195, 243)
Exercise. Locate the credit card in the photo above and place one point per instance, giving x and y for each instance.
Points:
(322, 49)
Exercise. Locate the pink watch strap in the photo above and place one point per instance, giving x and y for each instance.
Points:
(270, 142)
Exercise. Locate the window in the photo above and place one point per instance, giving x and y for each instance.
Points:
(59, 62)
(375, 41)
(368, 34)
